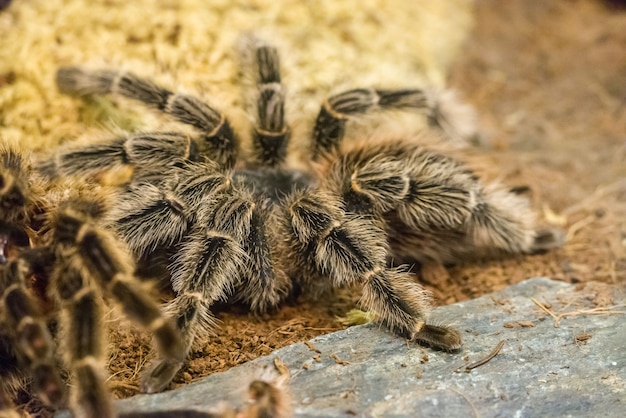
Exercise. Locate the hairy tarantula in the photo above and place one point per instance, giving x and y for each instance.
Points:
(223, 225)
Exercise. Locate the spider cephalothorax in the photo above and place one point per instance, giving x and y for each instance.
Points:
(232, 226)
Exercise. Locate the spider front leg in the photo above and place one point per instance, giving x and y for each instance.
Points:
(89, 258)
(30, 333)
(158, 209)
(204, 271)
(227, 254)
(350, 248)
(219, 142)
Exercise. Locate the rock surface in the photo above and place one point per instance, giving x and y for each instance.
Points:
(577, 369)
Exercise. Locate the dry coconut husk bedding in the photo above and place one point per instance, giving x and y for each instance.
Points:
(547, 79)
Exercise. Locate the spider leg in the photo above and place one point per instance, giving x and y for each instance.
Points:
(219, 142)
(82, 315)
(271, 135)
(150, 216)
(205, 269)
(94, 257)
(350, 248)
(441, 112)
(436, 210)
(229, 241)
(32, 337)
(268, 399)
(152, 149)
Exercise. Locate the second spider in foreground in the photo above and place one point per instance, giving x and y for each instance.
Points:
(233, 225)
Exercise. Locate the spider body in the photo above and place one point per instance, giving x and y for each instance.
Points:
(225, 225)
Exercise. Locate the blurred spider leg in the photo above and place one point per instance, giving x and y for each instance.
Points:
(7, 407)
(503, 223)
(104, 263)
(83, 325)
(219, 142)
(32, 337)
(271, 135)
(269, 399)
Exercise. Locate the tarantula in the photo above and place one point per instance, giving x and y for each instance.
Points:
(71, 263)
(225, 225)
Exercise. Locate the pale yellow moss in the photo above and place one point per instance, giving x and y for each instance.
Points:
(326, 45)
(356, 317)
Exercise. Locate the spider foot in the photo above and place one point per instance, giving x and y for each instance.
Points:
(547, 239)
(441, 337)
(160, 375)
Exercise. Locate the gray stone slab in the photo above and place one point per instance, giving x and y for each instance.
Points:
(541, 371)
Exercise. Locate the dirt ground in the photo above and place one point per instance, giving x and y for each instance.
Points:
(549, 82)
(548, 79)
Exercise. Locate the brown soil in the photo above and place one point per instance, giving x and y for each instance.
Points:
(548, 79)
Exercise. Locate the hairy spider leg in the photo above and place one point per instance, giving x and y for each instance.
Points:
(156, 211)
(205, 269)
(370, 183)
(14, 187)
(227, 243)
(142, 151)
(349, 248)
(82, 313)
(271, 134)
(330, 125)
(219, 142)
(435, 208)
(90, 256)
(31, 335)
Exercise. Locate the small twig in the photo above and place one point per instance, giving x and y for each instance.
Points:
(486, 359)
(338, 360)
(281, 367)
(543, 308)
(311, 347)
(582, 338)
(577, 226)
(123, 385)
(595, 311)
